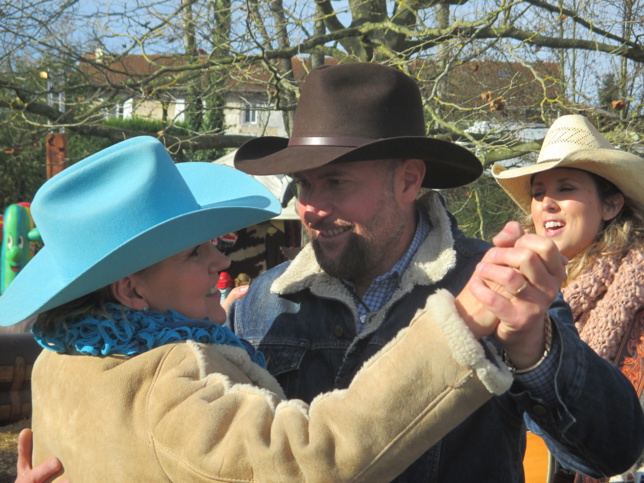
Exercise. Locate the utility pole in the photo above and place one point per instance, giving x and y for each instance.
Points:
(56, 142)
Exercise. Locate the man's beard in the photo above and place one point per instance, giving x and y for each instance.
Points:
(350, 265)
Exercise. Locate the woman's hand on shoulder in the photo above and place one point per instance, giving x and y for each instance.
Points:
(41, 473)
(235, 294)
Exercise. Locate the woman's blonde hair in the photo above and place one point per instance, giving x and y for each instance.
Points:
(615, 238)
(91, 304)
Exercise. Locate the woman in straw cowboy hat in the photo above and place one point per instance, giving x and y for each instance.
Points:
(588, 197)
(140, 381)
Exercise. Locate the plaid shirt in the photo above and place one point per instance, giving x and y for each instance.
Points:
(383, 287)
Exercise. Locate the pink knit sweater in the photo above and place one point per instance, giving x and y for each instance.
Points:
(604, 300)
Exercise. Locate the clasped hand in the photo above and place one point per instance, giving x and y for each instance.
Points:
(510, 291)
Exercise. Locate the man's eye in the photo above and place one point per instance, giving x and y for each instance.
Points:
(299, 186)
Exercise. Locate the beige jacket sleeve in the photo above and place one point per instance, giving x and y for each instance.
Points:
(207, 427)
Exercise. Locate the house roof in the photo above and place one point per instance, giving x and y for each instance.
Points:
(510, 85)
(102, 69)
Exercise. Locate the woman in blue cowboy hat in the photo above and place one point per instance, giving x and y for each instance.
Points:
(587, 197)
(140, 382)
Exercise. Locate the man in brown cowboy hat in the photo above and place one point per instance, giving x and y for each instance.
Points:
(377, 251)
(360, 155)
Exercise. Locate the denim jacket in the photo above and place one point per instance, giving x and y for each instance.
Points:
(304, 321)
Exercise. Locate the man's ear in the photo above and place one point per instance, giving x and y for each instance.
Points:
(124, 291)
(413, 173)
(612, 206)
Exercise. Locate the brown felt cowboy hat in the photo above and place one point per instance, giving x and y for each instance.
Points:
(359, 112)
(573, 142)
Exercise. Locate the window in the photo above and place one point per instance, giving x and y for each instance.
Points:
(180, 110)
(249, 115)
(118, 110)
(128, 109)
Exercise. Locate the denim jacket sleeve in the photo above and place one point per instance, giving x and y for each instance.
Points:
(596, 426)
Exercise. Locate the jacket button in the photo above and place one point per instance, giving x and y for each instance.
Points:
(539, 410)
(338, 331)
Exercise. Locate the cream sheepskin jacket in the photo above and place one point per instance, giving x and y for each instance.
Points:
(193, 412)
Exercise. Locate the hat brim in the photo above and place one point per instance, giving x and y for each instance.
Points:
(42, 284)
(448, 165)
(624, 170)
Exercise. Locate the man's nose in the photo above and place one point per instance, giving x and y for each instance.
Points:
(312, 211)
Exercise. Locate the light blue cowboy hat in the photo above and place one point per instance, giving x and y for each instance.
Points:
(121, 210)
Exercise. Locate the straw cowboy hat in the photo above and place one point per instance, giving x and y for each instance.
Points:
(573, 142)
(359, 112)
(124, 209)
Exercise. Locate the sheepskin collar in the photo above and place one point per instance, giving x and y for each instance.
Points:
(434, 258)
(242, 361)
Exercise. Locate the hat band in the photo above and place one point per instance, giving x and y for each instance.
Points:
(327, 141)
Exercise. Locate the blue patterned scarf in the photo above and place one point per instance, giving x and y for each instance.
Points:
(130, 332)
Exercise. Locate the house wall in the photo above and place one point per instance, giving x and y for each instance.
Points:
(266, 122)
(153, 109)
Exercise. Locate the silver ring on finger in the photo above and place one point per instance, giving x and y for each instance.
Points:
(521, 288)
